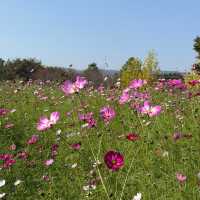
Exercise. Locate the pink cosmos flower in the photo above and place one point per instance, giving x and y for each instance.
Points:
(33, 139)
(124, 97)
(88, 117)
(44, 98)
(150, 110)
(68, 114)
(54, 117)
(80, 82)
(155, 110)
(114, 160)
(68, 87)
(176, 84)
(45, 123)
(107, 113)
(45, 178)
(22, 155)
(12, 147)
(180, 177)
(9, 125)
(49, 162)
(135, 84)
(85, 117)
(91, 122)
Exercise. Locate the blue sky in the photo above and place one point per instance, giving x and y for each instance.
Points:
(79, 32)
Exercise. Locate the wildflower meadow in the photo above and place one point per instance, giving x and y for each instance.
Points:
(71, 141)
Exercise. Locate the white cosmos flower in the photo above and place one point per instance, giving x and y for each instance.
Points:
(58, 132)
(74, 165)
(17, 182)
(198, 175)
(2, 195)
(165, 154)
(138, 196)
(86, 187)
(2, 183)
(84, 125)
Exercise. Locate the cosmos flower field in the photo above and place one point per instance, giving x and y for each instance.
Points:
(72, 141)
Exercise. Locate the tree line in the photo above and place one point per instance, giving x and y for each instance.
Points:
(31, 68)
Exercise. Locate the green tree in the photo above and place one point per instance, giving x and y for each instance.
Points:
(3, 74)
(134, 68)
(130, 70)
(150, 66)
(197, 46)
(22, 68)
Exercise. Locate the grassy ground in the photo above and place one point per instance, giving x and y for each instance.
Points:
(151, 163)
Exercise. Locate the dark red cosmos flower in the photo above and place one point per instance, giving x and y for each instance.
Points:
(3, 111)
(8, 163)
(177, 136)
(133, 137)
(54, 150)
(76, 146)
(7, 159)
(194, 82)
(6, 156)
(114, 160)
(33, 139)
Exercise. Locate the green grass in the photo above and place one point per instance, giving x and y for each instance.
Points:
(151, 173)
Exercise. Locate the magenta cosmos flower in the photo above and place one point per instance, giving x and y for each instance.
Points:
(176, 84)
(107, 113)
(150, 110)
(114, 160)
(135, 84)
(45, 123)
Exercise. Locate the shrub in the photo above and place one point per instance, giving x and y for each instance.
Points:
(135, 69)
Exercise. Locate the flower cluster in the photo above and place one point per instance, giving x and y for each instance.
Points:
(89, 119)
